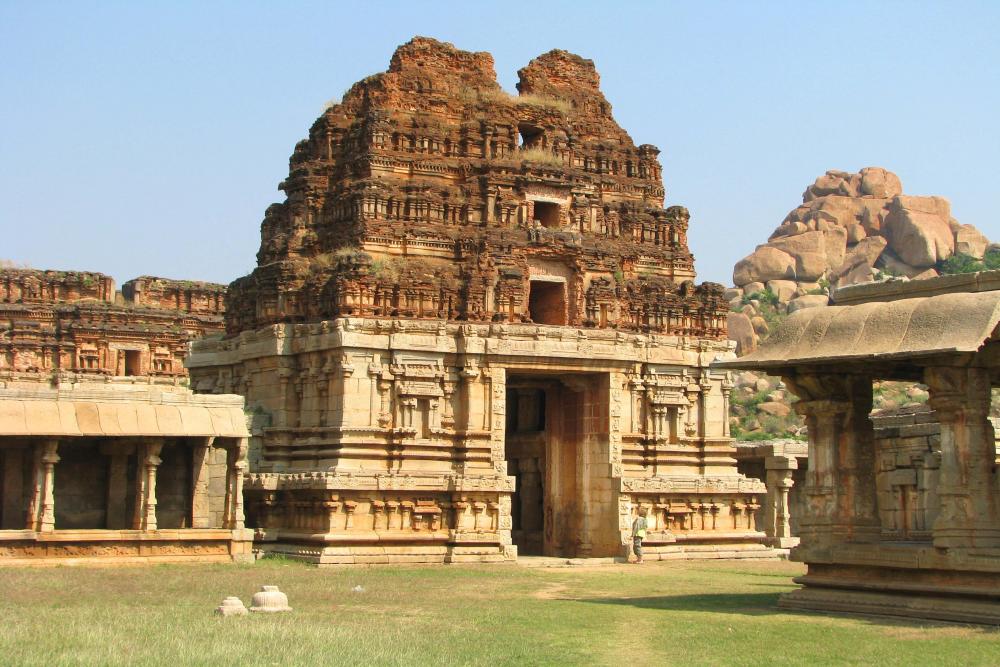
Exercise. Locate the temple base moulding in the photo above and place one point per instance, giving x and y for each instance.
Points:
(924, 607)
(962, 596)
(116, 547)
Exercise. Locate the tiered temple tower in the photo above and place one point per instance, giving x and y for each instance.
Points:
(474, 325)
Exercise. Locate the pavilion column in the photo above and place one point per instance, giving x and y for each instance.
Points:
(967, 490)
(41, 510)
(727, 388)
(13, 488)
(777, 518)
(145, 502)
(199, 483)
(840, 483)
(234, 518)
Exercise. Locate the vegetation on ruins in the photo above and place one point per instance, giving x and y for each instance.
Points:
(497, 96)
(541, 156)
(963, 263)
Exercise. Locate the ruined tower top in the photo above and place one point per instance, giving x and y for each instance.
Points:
(429, 192)
(563, 75)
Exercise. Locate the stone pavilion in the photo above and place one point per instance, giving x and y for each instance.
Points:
(905, 520)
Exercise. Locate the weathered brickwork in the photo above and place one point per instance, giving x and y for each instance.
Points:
(55, 322)
(428, 192)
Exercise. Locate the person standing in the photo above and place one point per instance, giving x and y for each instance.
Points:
(638, 534)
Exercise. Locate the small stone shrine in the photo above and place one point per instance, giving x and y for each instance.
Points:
(474, 331)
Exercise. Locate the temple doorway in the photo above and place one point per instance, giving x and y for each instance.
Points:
(556, 443)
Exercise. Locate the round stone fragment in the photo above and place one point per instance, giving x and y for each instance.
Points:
(232, 606)
(269, 599)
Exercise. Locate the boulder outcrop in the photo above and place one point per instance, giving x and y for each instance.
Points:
(850, 228)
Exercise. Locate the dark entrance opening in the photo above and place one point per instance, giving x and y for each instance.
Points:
(547, 214)
(547, 302)
(557, 448)
(525, 454)
(81, 487)
(132, 362)
(530, 136)
(15, 480)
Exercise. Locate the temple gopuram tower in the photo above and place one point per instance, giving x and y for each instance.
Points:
(473, 332)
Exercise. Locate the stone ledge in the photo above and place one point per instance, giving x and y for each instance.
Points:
(101, 535)
(878, 604)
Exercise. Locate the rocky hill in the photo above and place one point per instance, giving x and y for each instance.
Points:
(850, 228)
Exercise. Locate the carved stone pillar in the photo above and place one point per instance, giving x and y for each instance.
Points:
(840, 483)
(41, 509)
(967, 491)
(727, 388)
(199, 484)
(236, 465)
(145, 503)
(777, 518)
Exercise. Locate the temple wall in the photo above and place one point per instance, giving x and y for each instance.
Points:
(391, 439)
(183, 295)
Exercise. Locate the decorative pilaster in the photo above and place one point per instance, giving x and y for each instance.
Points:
(145, 504)
(967, 490)
(236, 465)
(727, 388)
(840, 482)
(41, 509)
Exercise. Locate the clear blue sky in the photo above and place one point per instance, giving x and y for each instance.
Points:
(148, 138)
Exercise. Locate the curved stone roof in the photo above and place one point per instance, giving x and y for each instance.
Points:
(119, 412)
(908, 328)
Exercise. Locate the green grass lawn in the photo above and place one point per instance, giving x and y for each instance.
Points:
(677, 613)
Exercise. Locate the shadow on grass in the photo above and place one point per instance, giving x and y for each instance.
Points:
(753, 604)
(766, 604)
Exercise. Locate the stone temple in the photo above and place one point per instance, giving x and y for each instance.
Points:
(473, 332)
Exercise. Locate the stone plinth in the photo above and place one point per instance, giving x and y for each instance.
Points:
(434, 442)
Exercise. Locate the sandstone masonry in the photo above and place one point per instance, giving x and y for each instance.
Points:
(473, 330)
